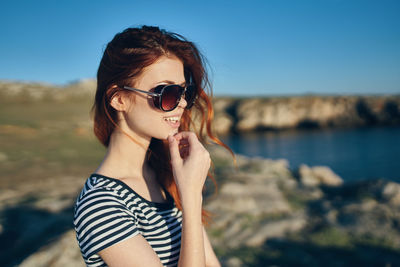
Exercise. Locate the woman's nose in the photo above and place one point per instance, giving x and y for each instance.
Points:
(182, 102)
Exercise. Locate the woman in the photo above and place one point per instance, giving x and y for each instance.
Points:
(143, 205)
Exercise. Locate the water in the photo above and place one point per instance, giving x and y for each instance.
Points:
(354, 154)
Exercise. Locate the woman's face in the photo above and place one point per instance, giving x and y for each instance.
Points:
(142, 117)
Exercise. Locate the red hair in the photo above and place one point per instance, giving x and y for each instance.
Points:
(123, 61)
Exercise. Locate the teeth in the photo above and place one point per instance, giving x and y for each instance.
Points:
(173, 119)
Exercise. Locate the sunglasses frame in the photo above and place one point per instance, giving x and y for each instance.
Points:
(160, 95)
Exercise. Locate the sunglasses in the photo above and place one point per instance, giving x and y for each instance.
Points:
(167, 96)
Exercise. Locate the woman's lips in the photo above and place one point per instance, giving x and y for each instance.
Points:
(173, 121)
(175, 124)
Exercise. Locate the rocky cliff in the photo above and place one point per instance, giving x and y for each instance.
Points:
(266, 215)
(249, 114)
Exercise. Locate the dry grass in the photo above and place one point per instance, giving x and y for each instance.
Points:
(46, 138)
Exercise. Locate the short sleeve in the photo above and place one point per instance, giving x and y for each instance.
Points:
(102, 219)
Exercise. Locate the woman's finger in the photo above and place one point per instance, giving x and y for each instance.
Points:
(174, 151)
(190, 137)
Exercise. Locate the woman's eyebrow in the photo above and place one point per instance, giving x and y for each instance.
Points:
(171, 82)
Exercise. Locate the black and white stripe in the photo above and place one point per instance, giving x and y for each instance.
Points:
(108, 211)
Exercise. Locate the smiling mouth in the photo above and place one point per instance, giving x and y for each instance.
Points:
(172, 119)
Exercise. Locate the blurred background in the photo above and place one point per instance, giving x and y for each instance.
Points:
(306, 93)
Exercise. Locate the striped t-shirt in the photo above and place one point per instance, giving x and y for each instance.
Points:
(108, 211)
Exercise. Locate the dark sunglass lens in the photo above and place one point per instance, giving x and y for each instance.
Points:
(170, 97)
(156, 99)
(190, 95)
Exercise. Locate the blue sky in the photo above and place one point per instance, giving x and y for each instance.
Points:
(254, 48)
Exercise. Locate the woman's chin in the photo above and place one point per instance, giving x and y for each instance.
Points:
(174, 131)
(165, 137)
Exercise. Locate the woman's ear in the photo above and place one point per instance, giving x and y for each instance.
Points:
(119, 102)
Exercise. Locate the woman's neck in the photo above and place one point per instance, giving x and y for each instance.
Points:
(124, 157)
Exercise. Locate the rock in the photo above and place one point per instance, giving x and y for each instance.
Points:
(391, 193)
(307, 177)
(254, 199)
(220, 104)
(222, 124)
(249, 114)
(251, 194)
(276, 229)
(368, 217)
(359, 210)
(318, 175)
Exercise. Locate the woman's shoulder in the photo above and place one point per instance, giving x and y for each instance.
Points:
(96, 183)
(102, 216)
(99, 189)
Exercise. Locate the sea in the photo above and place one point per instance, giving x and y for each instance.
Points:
(353, 154)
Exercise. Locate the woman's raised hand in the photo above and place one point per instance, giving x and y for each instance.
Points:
(190, 163)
